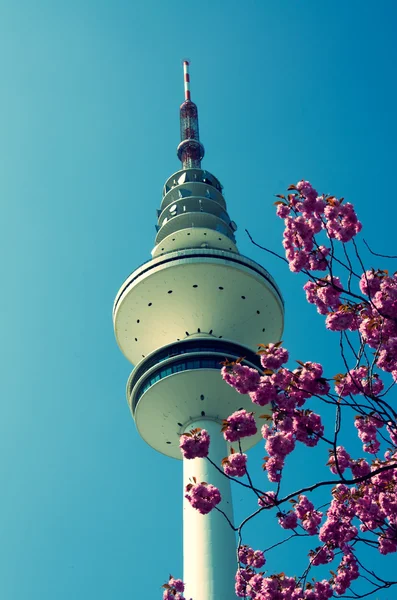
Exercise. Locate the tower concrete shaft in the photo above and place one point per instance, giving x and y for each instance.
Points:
(209, 542)
(176, 318)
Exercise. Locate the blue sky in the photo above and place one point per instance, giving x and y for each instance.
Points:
(88, 131)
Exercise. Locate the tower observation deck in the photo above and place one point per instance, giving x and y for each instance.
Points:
(176, 318)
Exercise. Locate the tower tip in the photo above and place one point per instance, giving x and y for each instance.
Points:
(186, 79)
(190, 151)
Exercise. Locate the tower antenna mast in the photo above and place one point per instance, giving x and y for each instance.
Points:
(186, 80)
(190, 151)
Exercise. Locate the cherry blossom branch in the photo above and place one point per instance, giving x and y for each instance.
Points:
(246, 485)
(387, 585)
(319, 484)
(247, 473)
(350, 266)
(293, 535)
(306, 272)
(335, 442)
(226, 517)
(376, 253)
(265, 249)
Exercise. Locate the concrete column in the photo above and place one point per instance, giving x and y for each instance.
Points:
(209, 543)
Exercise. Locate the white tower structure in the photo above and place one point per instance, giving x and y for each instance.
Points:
(176, 318)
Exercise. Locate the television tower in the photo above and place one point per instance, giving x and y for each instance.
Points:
(176, 318)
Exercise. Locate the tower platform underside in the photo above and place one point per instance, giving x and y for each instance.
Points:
(181, 383)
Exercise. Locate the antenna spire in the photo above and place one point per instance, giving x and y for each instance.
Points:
(186, 79)
(190, 151)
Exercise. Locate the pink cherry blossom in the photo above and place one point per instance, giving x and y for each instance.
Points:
(385, 299)
(244, 379)
(357, 381)
(283, 211)
(274, 466)
(288, 520)
(345, 318)
(195, 444)
(317, 260)
(322, 590)
(242, 587)
(367, 432)
(347, 572)
(251, 558)
(305, 214)
(202, 496)
(325, 293)
(267, 500)
(388, 541)
(307, 190)
(387, 356)
(177, 584)
(235, 465)
(265, 393)
(341, 461)
(360, 467)
(392, 431)
(306, 513)
(273, 356)
(321, 555)
(308, 427)
(173, 589)
(279, 444)
(370, 282)
(240, 424)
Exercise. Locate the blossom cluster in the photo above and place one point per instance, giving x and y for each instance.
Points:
(273, 356)
(195, 443)
(374, 314)
(251, 558)
(286, 391)
(369, 506)
(240, 424)
(340, 461)
(324, 293)
(347, 573)
(303, 511)
(358, 381)
(290, 423)
(244, 379)
(305, 215)
(251, 584)
(235, 465)
(373, 503)
(378, 318)
(268, 499)
(338, 530)
(202, 496)
(173, 590)
(367, 429)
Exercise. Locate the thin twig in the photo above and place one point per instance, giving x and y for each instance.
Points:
(227, 518)
(266, 249)
(376, 253)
